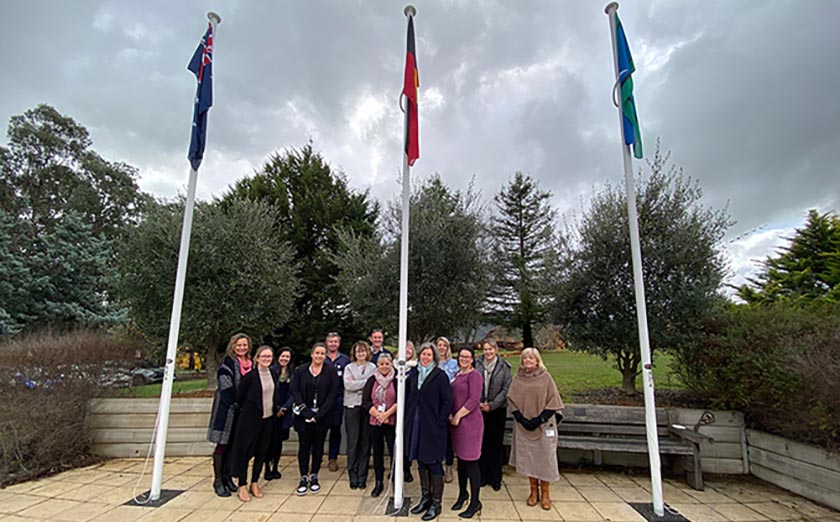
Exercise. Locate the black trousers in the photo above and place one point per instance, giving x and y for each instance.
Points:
(492, 447)
(310, 446)
(251, 444)
(379, 437)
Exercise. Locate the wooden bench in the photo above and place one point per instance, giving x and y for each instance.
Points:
(622, 430)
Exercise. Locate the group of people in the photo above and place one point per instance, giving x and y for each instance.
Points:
(454, 407)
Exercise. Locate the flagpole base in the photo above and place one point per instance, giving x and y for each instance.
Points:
(165, 496)
(646, 510)
(391, 511)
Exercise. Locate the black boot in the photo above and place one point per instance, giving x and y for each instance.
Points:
(436, 488)
(226, 478)
(377, 489)
(218, 484)
(426, 495)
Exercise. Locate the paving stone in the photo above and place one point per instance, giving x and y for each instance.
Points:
(738, 512)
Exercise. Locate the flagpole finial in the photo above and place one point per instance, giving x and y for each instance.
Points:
(410, 10)
(612, 6)
(214, 17)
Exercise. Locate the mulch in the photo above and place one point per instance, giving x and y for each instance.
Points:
(616, 397)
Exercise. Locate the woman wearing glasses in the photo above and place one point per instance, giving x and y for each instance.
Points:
(255, 399)
(356, 375)
(466, 431)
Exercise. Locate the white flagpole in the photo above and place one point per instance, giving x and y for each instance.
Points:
(638, 282)
(399, 443)
(175, 321)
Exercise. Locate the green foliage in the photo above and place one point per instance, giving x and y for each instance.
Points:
(57, 280)
(240, 277)
(312, 203)
(61, 206)
(50, 169)
(523, 235)
(448, 275)
(682, 269)
(807, 269)
(780, 364)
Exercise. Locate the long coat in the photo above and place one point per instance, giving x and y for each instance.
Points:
(430, 405)
(250, 401)
(222, 416)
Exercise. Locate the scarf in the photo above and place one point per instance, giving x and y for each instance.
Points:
(423, 372)
(488, 372)
(244, 365)
(383, 381)
(285, 374)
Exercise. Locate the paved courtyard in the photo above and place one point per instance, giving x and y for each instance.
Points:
(99, 493)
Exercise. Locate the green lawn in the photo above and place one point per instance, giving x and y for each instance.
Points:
(153, 390)
(575, 372)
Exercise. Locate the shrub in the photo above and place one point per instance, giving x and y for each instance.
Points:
(46, 381)
(777, 363)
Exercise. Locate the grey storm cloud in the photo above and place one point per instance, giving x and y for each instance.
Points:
(743, 94)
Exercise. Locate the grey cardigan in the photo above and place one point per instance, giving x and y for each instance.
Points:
(355, 378)
(499, 382)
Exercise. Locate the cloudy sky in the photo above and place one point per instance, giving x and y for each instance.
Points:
(743, 93)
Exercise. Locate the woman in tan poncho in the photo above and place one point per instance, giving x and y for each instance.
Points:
(534, 401)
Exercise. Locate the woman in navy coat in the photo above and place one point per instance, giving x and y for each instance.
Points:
(428, 401)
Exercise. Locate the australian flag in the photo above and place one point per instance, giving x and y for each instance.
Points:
(202, 66)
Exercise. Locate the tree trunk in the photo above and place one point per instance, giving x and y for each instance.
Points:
(628, 382)
(527, 335)
(211, 363)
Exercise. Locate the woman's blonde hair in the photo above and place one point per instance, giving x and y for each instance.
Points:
(445, 341)
(232, 344)
(535, 353)
(366, 346)
(263, 348)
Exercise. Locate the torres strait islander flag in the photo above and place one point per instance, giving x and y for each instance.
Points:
(632, 134)
(410, 85)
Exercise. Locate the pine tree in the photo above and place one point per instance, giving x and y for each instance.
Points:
(523, 232)
(807, 269)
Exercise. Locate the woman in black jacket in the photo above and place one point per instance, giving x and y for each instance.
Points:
(428, 401)
(283, 417)
(255, 399)
(315, 391)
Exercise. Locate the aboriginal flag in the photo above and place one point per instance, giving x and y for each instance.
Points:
(410, 85)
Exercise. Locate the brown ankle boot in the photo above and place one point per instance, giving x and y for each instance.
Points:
(545, 500)
(255, 490)
(534, 497)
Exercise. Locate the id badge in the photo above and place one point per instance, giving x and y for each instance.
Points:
(339, 373)
(381, 408)
(550, 432)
